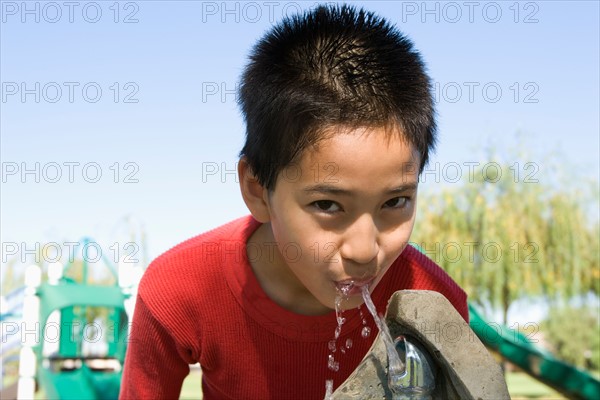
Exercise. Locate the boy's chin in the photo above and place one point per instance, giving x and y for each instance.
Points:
(350, 302)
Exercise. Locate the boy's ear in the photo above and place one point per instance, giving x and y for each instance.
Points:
(254, 194)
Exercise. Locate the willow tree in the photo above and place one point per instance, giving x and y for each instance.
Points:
(504, 237)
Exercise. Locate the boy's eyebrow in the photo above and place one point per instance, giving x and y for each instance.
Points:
(330, 189)
(405, 187)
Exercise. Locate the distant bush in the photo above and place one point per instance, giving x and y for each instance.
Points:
(573, 334)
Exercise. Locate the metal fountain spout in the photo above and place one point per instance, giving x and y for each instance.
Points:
(418, 378)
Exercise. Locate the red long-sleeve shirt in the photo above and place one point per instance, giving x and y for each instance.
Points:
(201, 302)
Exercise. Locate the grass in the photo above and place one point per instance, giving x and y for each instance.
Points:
(192, 387)
(520, 386)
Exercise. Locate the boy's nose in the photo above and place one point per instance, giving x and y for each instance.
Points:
(360, 241)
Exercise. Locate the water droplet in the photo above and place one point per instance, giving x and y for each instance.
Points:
(339, 311)
(366, 332)
(328, 389)
(362, 317)
(345, 288)
(348, 343)
(331, 346)
(332, 364)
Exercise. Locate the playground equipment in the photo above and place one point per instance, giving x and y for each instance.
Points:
(538, 363)
(70, 336)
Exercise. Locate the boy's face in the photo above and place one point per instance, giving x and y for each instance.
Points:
(341, 216)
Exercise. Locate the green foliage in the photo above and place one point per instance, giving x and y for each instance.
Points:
(572, 333)
(503, 237)
(522, 386)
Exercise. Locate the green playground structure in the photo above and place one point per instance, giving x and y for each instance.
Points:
(69, 373)
(538, 363)
(69, 338)
(46, 338)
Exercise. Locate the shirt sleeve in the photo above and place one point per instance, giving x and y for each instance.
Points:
(463, 308)
(154, 363)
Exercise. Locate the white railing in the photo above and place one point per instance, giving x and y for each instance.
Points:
(10, 326)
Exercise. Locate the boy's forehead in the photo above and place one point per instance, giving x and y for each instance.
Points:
(341, 142)
(348, 156)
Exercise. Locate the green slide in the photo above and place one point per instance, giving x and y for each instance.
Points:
(540, 364)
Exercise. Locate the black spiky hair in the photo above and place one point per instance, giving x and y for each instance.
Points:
(331, 66)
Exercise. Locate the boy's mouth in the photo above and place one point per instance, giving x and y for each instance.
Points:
(351, 287)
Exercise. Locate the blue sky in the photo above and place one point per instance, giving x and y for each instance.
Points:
(511, 74)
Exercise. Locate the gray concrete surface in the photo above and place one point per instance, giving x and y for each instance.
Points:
(464, 367)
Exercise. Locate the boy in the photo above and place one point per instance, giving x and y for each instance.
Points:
(340, 123)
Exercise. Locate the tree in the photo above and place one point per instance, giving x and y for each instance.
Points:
(503, 237)
(580, 344)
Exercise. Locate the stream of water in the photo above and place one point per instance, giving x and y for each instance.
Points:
(395, 365)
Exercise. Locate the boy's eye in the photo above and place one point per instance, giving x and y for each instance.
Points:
(327, 206)
(396, 202)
